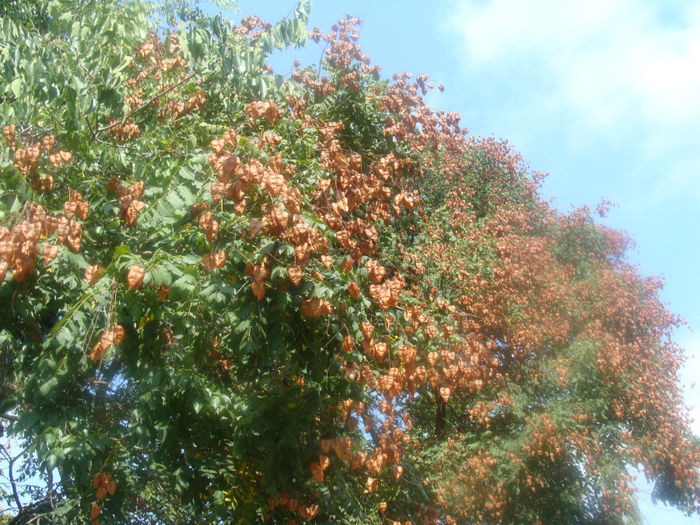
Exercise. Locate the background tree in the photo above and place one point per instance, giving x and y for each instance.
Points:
(237, 296)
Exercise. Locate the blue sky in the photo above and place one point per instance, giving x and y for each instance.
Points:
(603, 95)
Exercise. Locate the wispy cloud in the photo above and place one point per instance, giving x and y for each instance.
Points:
(607, 55)
(609, 67)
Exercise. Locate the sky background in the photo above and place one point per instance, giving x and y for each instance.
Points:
(603, 95)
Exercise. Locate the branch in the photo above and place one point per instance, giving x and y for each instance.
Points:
(10, 474)
(33, 513)
(144, 106)
(9, 417)
(49, 483)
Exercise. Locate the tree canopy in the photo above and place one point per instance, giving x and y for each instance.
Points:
(234, 296)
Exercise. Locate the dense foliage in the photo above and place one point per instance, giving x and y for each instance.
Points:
(232, 296)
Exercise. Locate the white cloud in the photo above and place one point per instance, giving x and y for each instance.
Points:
(604, 58)
(621, 75)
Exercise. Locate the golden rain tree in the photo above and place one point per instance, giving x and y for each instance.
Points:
(234, 296)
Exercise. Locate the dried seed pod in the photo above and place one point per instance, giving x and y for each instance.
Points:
(371, 484)
(117, 334)
(347, 264)
(9, 133)
(295, 273)
(93, 274)
(445, 393)
(354, 290)
(82, 210)
(113, 183)
(135, 277)
(48, 253)
(258, 290)
(163, 291)
(214, 260)
(69, 209)
(96, 354)
(74, 235)
(48, 142)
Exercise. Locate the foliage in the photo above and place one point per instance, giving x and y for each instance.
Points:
(235, 296)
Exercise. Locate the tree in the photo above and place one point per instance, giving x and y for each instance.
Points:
(238, 297)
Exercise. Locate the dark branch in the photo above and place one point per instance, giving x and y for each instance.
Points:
(11, 475)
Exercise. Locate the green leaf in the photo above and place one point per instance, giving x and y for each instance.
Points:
(48, 386)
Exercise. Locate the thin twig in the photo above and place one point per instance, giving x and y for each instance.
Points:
(11, 476)
(144, 106)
